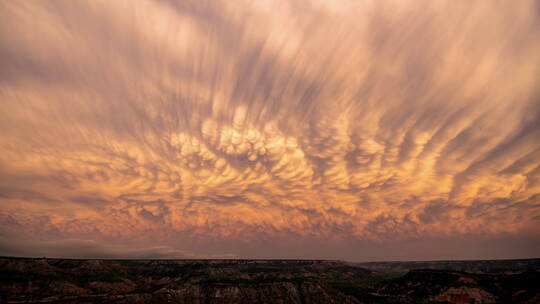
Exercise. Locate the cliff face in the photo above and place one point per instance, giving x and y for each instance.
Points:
(99, 281)
(278, 292)
(458, 287)
(249, 281)
(466, 295)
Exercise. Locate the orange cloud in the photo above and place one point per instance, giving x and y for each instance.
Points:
(378, 121)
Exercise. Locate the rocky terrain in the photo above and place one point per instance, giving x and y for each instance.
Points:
(257, 281)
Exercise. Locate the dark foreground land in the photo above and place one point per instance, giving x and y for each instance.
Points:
(267, 281)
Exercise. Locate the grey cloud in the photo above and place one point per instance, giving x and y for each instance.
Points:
(25, 194)
(79, 248)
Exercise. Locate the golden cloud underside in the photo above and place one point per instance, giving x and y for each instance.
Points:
(241, 119)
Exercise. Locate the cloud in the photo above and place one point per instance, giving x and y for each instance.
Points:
(376, 121)
(78, 248)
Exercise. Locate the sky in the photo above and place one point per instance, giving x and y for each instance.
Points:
(355, 130)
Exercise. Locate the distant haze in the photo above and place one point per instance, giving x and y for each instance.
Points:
(357, 130)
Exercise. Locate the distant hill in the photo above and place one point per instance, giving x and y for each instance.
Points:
(475, 266)
(26, 280)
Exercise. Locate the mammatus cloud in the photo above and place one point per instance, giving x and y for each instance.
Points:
(201, 127)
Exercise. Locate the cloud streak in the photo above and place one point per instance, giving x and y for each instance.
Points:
(324, 121)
